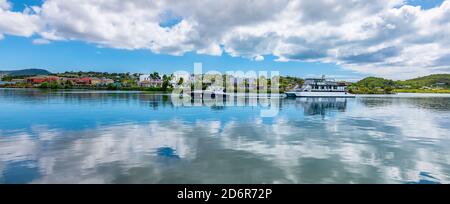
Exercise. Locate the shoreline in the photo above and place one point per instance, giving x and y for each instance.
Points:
(444, 92)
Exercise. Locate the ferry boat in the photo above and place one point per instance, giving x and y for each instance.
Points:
(321, 87)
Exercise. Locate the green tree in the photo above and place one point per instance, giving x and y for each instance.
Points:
(112, 87)
(44, 85)
(180, 81)
(68, 84)
(388, 89)
(166, 82)
(155, 75)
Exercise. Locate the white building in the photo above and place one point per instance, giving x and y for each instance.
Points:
(144, 77)
(147, 81)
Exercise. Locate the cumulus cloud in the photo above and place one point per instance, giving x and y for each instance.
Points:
(17, 23)
(381, 37)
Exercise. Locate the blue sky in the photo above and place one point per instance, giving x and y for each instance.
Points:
(19, 5)
(89, 53)
(19, 53)
(425, 3)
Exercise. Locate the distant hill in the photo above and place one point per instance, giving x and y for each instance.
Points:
(436, 83)
(26, 72)
(374, 82)
(426, 81)
(429, 81)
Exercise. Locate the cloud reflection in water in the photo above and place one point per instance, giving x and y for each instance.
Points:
(143, 139)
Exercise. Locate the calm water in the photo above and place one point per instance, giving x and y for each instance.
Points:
(107, 137)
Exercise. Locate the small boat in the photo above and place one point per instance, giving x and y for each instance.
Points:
(321, 87)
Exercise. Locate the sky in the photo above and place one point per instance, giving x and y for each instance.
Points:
(344, 39)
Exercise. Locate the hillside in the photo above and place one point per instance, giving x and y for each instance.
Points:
(26, 72)
(374, 82)
(436, 83)
(442, 80)
(372, 85)
(288, 83)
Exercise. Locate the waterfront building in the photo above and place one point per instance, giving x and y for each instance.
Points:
(83, 81)
(42, 79)
(18, 81)
(148, 81)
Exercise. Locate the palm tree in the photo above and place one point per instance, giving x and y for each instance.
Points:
(155, 75)
(180, 81)
(166, 81)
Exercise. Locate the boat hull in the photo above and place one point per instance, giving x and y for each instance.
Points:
(321, 94)
(290, 94)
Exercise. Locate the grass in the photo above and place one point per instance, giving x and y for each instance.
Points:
(422, 90)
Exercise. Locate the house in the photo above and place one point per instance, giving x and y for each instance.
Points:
(73, 80)
(101, 81)
(151, 83)
(105, 81)
(18, 81)
(42, 79)
(147, 81)
(95, 81)
(37, 80)
(144, 77)
(83, 81)
(52, 78)
(439, 85)
(404, 87)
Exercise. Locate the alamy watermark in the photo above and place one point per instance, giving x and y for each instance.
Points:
(232, 88)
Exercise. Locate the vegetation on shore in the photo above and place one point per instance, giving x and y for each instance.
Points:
(437, 83)
(127, 82)
(122, 81)
(372, 85)
(432, 81)
(447, 91)
(288, 83)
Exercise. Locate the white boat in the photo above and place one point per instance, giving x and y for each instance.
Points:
(321, 87)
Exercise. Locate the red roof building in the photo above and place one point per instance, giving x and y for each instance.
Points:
(84, 81)
(37, 80)
(42, 79)
(52, 78)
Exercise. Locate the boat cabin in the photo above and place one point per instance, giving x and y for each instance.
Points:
(323, 85)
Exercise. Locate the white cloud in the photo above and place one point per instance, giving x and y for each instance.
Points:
(4, 5)
(259, 58)
(40, 41)
(16, 23)
(381, 37)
